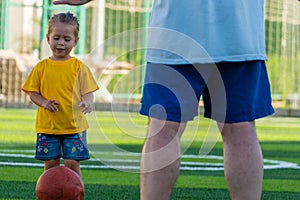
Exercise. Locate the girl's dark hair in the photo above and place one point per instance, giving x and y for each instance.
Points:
(67, 18)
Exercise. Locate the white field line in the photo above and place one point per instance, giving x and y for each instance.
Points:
(120, 163)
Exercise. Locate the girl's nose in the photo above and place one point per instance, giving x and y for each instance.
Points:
(61, 41)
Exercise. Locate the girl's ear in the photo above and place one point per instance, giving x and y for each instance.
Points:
(48, 38)
(76, 40)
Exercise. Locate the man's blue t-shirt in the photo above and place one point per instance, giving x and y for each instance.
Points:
(206, 31)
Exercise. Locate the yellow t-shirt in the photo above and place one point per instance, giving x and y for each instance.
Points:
(66, 82)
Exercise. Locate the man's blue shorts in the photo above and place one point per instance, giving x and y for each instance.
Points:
(68, 146)
(231, 91)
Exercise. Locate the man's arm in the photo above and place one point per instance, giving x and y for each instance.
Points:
(71, 2)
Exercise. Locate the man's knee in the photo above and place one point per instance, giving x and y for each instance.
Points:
(236, 127)
(238, 132)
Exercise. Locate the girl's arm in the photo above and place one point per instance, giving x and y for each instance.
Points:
(87, 103)
(50, 105)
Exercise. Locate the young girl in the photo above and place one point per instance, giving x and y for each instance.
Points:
(62, 87)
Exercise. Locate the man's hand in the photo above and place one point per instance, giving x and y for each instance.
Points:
(71, 2)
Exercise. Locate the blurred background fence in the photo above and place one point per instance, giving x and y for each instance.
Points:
(119, 66)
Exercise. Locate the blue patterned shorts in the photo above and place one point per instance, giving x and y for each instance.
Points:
(68, 146)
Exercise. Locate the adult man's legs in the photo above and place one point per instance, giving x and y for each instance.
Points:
(160, 160)
(243, 160)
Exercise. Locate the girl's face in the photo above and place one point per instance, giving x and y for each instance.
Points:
(61, 40)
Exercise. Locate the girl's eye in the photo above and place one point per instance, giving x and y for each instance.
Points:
(68, 39)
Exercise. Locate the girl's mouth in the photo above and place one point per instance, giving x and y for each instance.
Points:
(59, 50)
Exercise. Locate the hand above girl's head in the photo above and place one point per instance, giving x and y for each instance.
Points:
(71, 2)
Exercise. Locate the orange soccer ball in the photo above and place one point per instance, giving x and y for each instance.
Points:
(59, 183)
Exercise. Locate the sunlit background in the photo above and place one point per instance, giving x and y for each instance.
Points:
(23, 29)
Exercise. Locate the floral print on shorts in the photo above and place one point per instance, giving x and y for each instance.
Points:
(68, 146)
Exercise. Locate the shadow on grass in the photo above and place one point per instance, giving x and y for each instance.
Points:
(26, 190)
(17, 190)
(284, 149)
